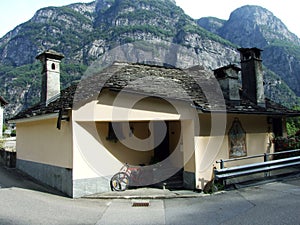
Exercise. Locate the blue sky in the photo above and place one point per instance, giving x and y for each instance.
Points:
(15, 12)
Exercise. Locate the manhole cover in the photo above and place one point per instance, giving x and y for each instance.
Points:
(140, 204)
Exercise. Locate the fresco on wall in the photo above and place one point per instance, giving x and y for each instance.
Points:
(237, 140)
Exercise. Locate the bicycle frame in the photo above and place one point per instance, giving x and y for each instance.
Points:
(127, 176)
(133, 173)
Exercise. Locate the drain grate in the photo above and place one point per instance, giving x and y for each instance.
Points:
(140, 204)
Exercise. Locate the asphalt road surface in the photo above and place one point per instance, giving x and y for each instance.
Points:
(23, 201)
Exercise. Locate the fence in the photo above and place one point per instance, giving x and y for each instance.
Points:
(8, 158)
(8, 152)
(266, 166)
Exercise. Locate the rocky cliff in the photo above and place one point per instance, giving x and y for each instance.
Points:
(84, 32)
(250, 26)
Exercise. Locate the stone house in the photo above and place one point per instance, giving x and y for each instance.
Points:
(170, 120)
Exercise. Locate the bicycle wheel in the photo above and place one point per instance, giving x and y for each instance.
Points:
(119, 182)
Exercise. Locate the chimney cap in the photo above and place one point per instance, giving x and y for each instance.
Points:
(50, 54)
(248, 49)
(230, 66)
(220, 72)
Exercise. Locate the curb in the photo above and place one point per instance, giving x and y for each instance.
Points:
(143, 197)
(140, 194)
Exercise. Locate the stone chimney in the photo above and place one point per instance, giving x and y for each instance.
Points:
(252, 75)
(50, 75)
(229, 82)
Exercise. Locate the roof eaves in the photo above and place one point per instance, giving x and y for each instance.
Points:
(35, 118)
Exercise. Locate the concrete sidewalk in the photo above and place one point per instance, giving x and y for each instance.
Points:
(147, 193)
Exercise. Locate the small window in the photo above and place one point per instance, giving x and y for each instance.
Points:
(53, 66)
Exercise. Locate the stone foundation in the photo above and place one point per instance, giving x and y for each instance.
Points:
(56, 177)
(90, 186)
(189, 181)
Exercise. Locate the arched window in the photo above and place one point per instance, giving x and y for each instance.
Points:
(53, 66)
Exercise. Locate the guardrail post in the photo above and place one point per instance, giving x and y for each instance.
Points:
(221, 164)
(266, 155)
(266, 159)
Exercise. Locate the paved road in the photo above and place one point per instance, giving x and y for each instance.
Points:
(22, 201)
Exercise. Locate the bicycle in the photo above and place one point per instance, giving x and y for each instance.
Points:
(127, 176)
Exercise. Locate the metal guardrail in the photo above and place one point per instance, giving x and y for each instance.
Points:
(265, 166)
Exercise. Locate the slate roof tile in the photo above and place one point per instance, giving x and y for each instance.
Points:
(194, 84)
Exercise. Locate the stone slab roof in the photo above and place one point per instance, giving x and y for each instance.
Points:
(194, 85)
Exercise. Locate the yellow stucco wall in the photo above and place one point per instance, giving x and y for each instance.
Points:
(90, 157)
(201, 146)
(130, 107)
(104, 158)
(95, 156)
(188, 145)
(123, 152)
(258, 141)
(40, 141)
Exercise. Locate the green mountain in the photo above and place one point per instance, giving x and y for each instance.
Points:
(251, 26)
(85, 31)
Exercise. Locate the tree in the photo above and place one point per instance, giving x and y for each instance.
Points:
(293, 123)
